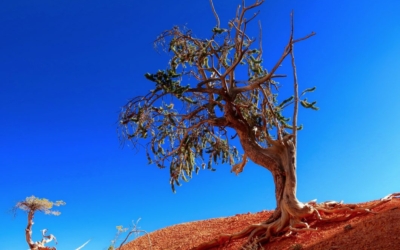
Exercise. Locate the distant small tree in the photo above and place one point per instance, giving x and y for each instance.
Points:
(214, 90)
(135, 230)
(32, 205)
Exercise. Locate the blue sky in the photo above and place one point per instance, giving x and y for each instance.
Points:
(66, 68)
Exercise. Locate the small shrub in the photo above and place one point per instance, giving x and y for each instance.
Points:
(136, 231)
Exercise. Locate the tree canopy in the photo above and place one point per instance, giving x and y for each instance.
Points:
(184, 118)
(216, 93)
(34, 204)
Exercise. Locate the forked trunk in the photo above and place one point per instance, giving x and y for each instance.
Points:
(290, 214)
(280, 160)
(289, 209)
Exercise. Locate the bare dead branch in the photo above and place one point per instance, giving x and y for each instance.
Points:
(304, 38)
(215, 13)
(295, 85)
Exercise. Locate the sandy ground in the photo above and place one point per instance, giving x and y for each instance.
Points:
(380, 230)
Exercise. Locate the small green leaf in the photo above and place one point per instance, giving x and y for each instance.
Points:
(150, 77)
(285, 101)
(306, 104)
(308, 90)
(189, 100)
(255, 60)
(217, 30)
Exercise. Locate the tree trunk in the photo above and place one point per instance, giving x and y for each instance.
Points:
(28, 230)
(290, 214)
(280, 159)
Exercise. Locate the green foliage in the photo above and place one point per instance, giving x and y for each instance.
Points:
(286, 101)
(185, 126)
(306, 104)
(309, 90)
(217, 30)
(165, 81)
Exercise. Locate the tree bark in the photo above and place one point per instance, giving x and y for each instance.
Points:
(290, 214)
(28, 230)
(280, 159)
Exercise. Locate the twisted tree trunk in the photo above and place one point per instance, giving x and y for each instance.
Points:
(28, 230)
(290, 214)
(28, 235)
(280, 160)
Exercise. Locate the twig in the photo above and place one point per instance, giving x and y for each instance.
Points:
(136, 230)
(215, 13)
(304, 38)
(295, 85)
(260, 40)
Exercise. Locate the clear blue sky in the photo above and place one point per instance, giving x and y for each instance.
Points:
(66, 68)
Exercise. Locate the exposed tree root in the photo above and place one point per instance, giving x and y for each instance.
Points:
(284, 225)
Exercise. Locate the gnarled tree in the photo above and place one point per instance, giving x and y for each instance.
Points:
(32, 205)
(214, 92)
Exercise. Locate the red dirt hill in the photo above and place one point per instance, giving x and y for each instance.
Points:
(375, 231)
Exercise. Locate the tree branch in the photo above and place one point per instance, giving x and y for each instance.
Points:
(215, 13)
(295, 86)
